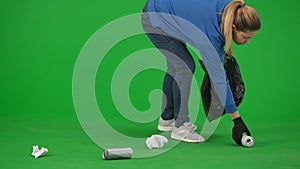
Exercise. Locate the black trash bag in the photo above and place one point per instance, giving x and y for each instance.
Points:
(211, 103)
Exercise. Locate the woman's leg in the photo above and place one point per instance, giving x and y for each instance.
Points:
(177, 82)
(180, 69)
(183, 65)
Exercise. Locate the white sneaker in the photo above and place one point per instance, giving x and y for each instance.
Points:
(186, 133)
(165, 125)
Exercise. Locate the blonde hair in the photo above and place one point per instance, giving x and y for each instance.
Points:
(245, 18)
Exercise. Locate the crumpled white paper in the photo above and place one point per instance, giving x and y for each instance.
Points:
(156, 141)
(36, 152)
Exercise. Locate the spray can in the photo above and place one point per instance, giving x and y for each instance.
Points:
(247, 141)
(117, 153)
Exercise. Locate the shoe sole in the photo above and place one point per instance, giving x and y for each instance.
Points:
(176, 137)
(164, 128)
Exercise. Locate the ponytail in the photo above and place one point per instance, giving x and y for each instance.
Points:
(245, 18)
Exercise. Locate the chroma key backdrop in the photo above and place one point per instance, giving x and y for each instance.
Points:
(78, 77)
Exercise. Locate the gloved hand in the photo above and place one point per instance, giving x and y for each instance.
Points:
(238, 130)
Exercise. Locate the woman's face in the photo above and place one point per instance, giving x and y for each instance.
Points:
(241, 38)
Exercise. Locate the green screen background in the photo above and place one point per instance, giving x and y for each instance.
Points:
(40, 42)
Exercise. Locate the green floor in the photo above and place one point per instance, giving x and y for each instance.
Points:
(277, 146)
(40, 43)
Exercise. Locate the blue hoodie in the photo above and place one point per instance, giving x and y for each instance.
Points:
(179, 18)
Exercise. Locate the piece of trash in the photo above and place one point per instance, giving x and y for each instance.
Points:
(156, 141)
(36, 152)
(117, 153)
(247, 141)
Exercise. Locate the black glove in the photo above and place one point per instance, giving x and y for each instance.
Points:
(238, 130)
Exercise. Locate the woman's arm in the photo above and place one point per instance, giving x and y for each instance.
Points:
(234, 115)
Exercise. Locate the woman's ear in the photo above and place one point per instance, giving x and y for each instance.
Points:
(233, 27)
